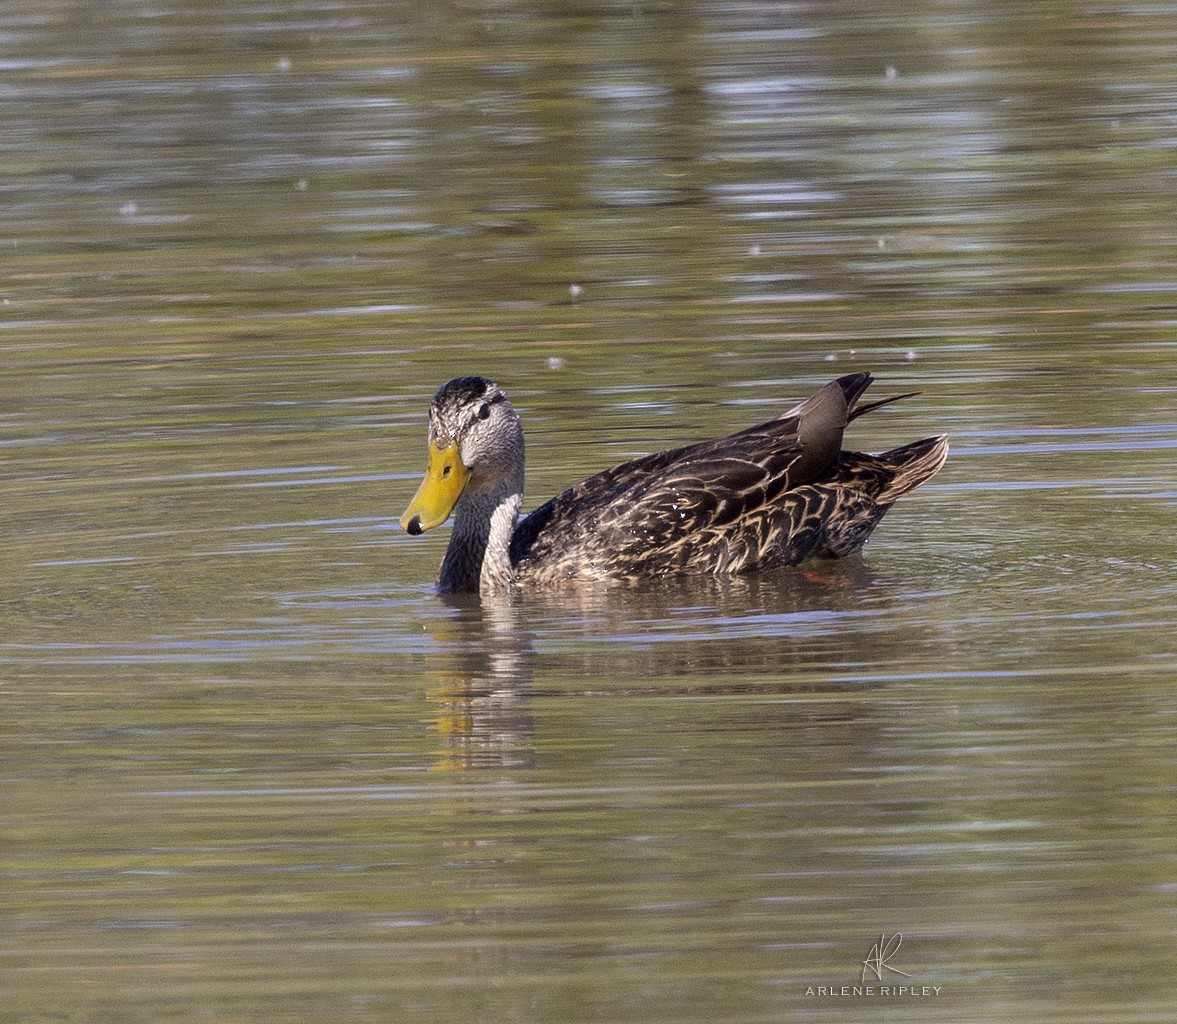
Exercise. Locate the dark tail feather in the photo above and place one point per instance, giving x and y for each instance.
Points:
(914, 464)
(859, 410)
(853, 386)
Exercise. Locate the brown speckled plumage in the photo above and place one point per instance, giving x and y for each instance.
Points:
(773, 495)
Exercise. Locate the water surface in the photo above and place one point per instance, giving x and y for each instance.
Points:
(255, 769)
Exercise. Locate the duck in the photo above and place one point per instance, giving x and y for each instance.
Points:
(773, 495)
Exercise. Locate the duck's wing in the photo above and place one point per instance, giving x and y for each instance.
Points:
(653, 508)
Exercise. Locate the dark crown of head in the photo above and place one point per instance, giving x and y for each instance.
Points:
(462, 390)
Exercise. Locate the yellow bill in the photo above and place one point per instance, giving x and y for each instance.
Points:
(445, 476)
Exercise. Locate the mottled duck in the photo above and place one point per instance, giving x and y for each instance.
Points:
(773, 495)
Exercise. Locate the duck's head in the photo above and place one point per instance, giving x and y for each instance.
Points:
(475, 445)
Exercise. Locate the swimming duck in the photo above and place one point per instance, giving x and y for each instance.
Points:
(773, 495)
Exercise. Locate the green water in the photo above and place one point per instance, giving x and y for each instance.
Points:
(252, 769)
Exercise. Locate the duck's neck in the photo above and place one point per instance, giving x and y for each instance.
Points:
(479, 554)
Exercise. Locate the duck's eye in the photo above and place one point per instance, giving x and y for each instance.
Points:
(484, 411)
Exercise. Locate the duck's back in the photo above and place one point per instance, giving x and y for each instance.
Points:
(723, 506)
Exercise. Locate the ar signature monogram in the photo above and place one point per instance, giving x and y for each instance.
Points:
(880, 953)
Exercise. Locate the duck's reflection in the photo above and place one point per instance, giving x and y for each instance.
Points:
(797, 631)
(480, 678)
